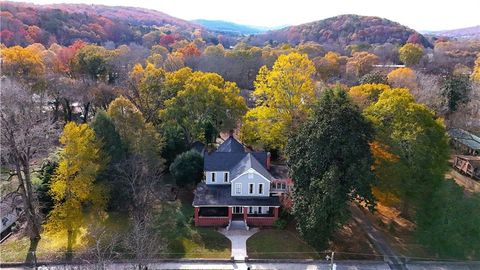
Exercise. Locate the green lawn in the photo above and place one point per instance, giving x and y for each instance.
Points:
(201, 243)
(279, 244)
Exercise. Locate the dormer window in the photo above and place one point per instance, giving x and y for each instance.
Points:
(213, 177)
(225, 178)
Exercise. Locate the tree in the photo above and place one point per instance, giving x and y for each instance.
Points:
(365, 94)
(139, 137)
(284, 96)
(108, 136)
(330, 160)
(187, 168)
(205, 100)
(361, 63)
(45, 176)
(328, 66)
(148, 90)
(74, 183)
(410, 54)
(417, 140)
(373, 77)
(456, 90)
(23, 63)
(476, 70)
(27, 135)
(403, 78)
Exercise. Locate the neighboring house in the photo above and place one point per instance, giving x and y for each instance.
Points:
(468, 165)
(10, 210)
(464, 141)
(239, 185)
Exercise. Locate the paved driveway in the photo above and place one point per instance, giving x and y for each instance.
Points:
(239, 241)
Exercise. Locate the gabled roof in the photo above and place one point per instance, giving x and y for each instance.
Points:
(246, 163)
(470, 140)
(231, 145)
(220, 195)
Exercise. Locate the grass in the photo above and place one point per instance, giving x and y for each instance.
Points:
(201, 243)
(279, 244)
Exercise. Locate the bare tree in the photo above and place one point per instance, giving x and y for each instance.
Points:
(102, 249)
(27, 133)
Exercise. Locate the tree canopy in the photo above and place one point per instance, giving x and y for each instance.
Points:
(330, 160)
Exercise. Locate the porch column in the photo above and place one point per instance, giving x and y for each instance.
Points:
(275, 212)
(197, 210)
(245, 211)
(229, 213)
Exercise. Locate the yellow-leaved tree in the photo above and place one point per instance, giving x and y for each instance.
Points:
(403, 78)
(284, 96)
(73, 186)
(476, 71)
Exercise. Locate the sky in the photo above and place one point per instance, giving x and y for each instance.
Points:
(420, 15)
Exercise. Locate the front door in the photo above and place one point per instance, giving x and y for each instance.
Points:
(237, 212)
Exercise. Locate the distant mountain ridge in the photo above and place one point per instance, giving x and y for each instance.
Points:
(467, 32)
(343, 30)
(232, 28)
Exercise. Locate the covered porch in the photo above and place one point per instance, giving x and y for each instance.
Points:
(222, 215)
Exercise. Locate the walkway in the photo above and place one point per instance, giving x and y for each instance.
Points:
(238, 235)
(378, 240)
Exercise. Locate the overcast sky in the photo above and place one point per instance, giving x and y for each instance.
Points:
(418, 14)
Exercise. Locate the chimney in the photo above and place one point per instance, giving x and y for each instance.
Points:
(268, 160)
(230, 132)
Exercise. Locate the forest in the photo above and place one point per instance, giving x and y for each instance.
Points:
(99, 112)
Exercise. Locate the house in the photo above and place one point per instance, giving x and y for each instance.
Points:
(464, 141)
(239, 185)
(11, 208)
(468, 165)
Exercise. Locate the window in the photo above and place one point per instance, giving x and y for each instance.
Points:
(259, 210)
(237, 210)
(213, 177)
(238, 188)
(284, 186)
(250, 210)
(260, 188)
(250, 188)
(225, 177)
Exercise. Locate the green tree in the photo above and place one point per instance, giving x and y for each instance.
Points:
(284, 97)
(410, 54)
(205, 101)
(107, 134)
(187, 168)
(45, 176)
(418, 142)
(141, 138)
(330, 160)
(456, 90)
(73, 185)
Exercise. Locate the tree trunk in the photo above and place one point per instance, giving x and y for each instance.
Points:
(69, 254)
(86, 109)
(31, 259)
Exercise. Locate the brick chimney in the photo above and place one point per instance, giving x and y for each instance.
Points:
(268, 160)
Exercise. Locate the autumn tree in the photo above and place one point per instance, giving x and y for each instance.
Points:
(403, 78)
(206, 100)
(361, 63)
(328, 66)
(284, 96)
(27, 135)
(417, 139)
(74, 185)
(139, 137)
(365, 94)
(26, 65)
(476, 71)
(410, 54)
(373, 78)
(330, 160)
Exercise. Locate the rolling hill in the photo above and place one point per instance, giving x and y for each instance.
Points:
(342, 30)
(26, 23)
(467, 33)
(232, 28)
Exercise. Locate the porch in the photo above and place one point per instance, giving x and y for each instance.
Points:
(221, 216)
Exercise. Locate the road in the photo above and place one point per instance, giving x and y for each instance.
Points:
(377, 238)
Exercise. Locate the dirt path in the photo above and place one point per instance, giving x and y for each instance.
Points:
(377, 238)
(468, 183)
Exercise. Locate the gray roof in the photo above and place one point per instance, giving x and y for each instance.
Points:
(231, 145)
(220, 195)
(249, 161)
(466, 138)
